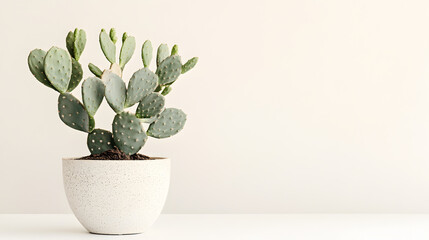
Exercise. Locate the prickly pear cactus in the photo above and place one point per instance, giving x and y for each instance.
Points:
(127, 50)
(169, 70)
(162, 53)
(36, 61)
(70, 43)
(72, 112)
(128, 133)
(107, 45)
(189, 64)
(112, 35)
(99, 141)
(150, 106)
(169, 123)
(79, 43)
(175, 50)
(115, 91)
(140, 85)
(76, 76)
(147, 53)
(75, 43)
(95, 70)
(92, 94)
(60, 70)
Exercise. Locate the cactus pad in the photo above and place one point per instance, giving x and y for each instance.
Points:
(107, 45)
(124, 36)
(166, 90)
(92, 94)
(189, 64)
(79, 43)
(95, 70)
(147, 53)
(112, 35)
(70, 43)
(36, 59)
(76, 76)
(175, 50)
(150, 106)
(141, 84)
(115, 91)
(99, 141)
(162, 53)
(169, 70)
(72, 112)
(58, 68)
(127, 50)
(128, 133)
(170, 122)
(75, 42)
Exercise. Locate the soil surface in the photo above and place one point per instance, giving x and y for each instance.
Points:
(116, 154)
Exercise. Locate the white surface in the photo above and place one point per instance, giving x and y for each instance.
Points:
(294, 106)
(233, 227)
(116, 197)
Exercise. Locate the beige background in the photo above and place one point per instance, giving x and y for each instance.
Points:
(295, 106)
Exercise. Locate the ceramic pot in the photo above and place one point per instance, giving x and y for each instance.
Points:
(116, 196)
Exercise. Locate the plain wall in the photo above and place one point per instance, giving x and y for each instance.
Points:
(294, 106)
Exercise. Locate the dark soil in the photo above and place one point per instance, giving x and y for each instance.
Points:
(116, 154)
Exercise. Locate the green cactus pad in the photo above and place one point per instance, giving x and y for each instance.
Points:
(169, 70)
(75, 42)
(115, 91)
(143, 82)
(72, 112)
(128, 133)
(70, 43)
(170, 122)
(124, 36)
(127, 50)
(166, 90)
(150, 106)
(147, 53)
(162, 53)
(36, 59)
(175, 50)
(112, 35)
(92, 94)
(99, 141)
(58, 68)
(95, 70)
(76, 77)
(79, 43)
(107, 45)
(189, 64)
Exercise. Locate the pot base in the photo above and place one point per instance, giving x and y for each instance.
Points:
(116, 197)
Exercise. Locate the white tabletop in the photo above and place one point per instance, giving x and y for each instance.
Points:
(226, 227)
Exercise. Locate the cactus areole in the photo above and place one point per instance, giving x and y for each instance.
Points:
(60, 70)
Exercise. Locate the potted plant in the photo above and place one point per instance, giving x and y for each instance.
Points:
(115, 190)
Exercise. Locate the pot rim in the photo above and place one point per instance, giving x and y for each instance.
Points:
(110, 160)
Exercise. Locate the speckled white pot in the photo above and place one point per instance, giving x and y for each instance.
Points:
(116, 196)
